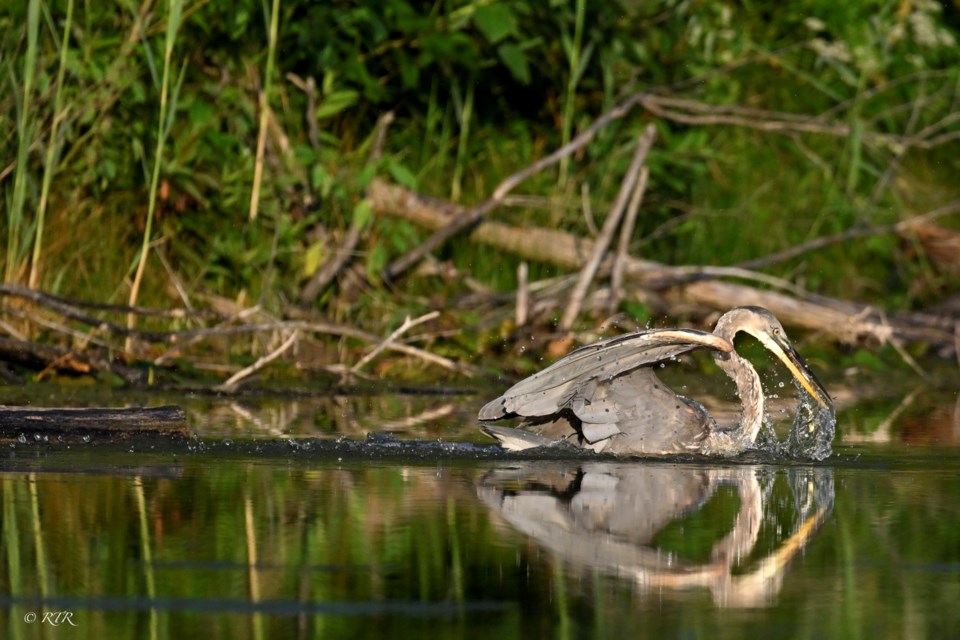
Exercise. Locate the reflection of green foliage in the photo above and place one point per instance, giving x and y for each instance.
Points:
(343, 533)
(693, 536)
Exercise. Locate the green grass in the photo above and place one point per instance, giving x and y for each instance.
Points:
(26, 125)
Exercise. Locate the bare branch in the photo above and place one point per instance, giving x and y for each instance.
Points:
(644, 143)
(623, 246)
(231, 383)
(403, 328)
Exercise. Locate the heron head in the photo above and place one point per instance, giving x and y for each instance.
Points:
(765, 327)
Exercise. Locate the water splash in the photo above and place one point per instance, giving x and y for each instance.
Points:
(812, 431)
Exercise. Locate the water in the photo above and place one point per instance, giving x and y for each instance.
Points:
(268, 524)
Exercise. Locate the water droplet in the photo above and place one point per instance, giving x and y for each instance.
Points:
(781, 384)
(22, 439)
(86, 438)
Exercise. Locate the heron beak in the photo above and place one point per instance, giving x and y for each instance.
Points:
(782, 348)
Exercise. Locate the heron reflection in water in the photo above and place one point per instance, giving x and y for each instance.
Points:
(618, 518)
(606, 396)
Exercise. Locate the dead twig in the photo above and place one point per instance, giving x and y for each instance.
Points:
(523, 295)
(623, 245)
(849, 234)
(231, 383)
(699, 113)
(644, 143)
(380, 135)
(587, 209)
(403, 328)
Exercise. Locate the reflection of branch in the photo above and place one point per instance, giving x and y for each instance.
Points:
(882, 432)
(401, 424)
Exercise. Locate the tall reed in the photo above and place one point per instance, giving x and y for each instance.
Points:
(25, 127)
(49, 167)
(577, 59)
(264, 109)
(175, 8)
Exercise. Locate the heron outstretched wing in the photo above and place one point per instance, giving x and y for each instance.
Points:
(572, 381)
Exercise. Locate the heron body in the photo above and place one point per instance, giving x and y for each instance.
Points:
(606, 396)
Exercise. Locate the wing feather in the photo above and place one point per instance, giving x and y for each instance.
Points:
(574, 377)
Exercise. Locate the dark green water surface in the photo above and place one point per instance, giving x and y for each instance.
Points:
(258, 529)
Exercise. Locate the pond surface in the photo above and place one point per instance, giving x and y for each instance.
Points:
(266, 525)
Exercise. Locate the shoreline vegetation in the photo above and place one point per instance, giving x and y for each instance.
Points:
(364, 189)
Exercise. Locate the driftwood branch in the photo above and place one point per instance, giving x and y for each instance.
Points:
(692, 112)
(64, 305)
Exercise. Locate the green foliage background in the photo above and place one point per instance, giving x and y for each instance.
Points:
(479, 90)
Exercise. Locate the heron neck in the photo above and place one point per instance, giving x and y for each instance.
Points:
(750, 392)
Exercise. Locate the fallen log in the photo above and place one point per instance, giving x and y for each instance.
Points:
(69, 423)
(845, 321)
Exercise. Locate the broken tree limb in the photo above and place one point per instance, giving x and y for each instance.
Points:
(532, 243)
(848, 322)
(644, 143)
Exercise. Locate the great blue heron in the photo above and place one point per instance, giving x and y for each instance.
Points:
(606, 397)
